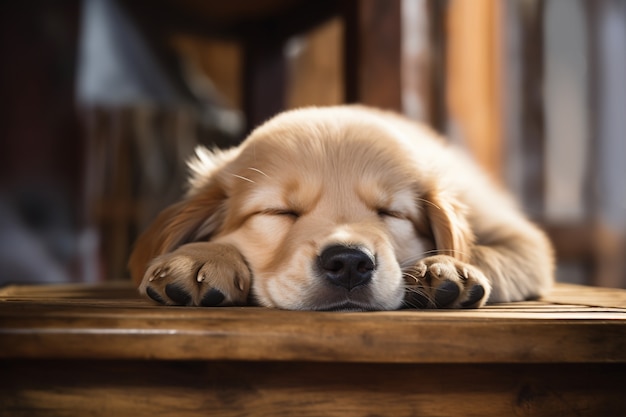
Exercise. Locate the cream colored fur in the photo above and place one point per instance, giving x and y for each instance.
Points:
(257, 217)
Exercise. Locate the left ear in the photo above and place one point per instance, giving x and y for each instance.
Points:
(448, 223)
(196, 218)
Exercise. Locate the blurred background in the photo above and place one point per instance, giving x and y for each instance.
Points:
(103, 100)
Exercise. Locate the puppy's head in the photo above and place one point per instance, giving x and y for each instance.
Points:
(327, 208)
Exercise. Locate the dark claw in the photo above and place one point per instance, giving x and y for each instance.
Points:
(446, 294)
(154, 295)
(177, 294)
(476, 293)
(212, 298)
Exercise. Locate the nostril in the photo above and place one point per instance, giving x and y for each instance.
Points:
(346, 266)
(334, 265)
(365, 266)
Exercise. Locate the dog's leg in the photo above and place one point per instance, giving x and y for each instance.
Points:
(198, 274)
(518, 269)
(515, 266)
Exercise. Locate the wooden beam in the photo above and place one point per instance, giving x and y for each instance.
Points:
(264, 77)
(372, 52)
(533, 118)
(473, 75)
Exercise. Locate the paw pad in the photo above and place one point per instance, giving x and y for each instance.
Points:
(150, 292)
(212, 298)
(177, 294)
(446, 294)
(476, 293)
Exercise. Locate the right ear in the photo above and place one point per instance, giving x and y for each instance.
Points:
(449, 225)
(199, 216)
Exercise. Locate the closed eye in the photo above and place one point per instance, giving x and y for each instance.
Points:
(281, 212)
(384, 212)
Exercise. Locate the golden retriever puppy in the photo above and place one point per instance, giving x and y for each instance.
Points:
(341, 208)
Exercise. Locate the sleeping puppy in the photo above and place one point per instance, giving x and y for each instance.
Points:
(341, 208)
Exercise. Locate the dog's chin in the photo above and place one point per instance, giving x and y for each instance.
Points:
(351, 303)
(347, 306)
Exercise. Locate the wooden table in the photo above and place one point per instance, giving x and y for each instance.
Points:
(100, 351)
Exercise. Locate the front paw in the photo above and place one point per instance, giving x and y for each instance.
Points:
(198, 274)
(444, 282)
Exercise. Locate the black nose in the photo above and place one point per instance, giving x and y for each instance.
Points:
(346, 267)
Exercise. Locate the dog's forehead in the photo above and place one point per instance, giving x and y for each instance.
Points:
(298, 165)
(334, 149)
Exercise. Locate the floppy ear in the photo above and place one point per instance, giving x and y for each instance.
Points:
(448, 223)
(199, 216)
(196, 218)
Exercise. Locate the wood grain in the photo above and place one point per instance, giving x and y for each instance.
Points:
(166, 388)
(100, 351)
(88, 325)
(587, 296)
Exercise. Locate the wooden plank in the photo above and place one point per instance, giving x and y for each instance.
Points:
(264, 67)
(420, 63)
(181, 389)
(605, 169)
(585, 295)
(264, 78)
(75, 305)
(473, 78)
(141, 331)
(111, 322)
(111, 290)
(572, 241)
(533, 123)
(372, 53)
(315, 69)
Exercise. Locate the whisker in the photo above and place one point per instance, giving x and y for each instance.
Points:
(416, 290)
(413, 277)
(409, 262)
(420, 304)
(437, 252)
(429, 202)
(259, 171)
(243, 178)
